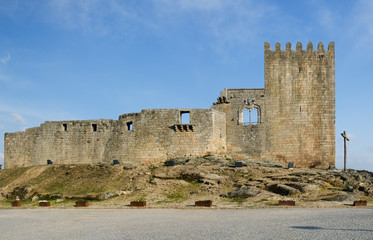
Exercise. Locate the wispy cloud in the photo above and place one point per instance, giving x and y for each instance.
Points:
(18, 118)
(224, 23)
(1, 156)
(91, 15)
(205, 5)
(361, 23)
(37, 113)
(327, 19)
(4, 60)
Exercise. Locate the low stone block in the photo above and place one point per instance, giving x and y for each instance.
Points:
(138, 204)
(286, 203)
(360, 203)
(16, 203)
(44, 204)
(81, 204)
(206, 203)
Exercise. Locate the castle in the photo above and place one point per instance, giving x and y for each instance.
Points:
(291, 120)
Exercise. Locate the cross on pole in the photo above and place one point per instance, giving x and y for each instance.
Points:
(345, 138)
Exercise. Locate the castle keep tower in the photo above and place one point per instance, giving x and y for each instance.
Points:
(300, 104)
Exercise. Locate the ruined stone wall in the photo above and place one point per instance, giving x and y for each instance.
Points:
(158, 135)
(68, 142)
(147, 137)
(244, 138)
(300, 105)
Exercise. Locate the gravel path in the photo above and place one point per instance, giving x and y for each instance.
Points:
(296, 223)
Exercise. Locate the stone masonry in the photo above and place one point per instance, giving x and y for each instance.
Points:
(291, 120)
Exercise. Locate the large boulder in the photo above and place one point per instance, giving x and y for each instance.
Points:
(283, 190)
(191, 176)
(242, 193)
(305, 188)
(342, 198)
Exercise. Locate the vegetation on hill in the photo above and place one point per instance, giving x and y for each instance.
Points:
(255, 184)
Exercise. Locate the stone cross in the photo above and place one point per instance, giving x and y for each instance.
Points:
(345, 138)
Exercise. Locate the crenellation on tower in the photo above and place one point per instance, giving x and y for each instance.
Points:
(299, 47)
(288, 46)
(309, 46)
(320, 47)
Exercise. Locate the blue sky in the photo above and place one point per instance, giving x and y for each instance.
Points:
(92, 59)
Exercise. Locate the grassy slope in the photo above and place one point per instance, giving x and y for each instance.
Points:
(165, 186)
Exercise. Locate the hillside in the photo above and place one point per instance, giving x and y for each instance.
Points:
(256, 184)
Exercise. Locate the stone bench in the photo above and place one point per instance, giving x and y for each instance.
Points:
(206, 203)
(138, 204)
(286, 203)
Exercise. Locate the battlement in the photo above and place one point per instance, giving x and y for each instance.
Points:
(299, 49)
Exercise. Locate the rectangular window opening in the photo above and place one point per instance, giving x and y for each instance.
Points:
(64, 127)
(185, 117)
(94, 127)
(254, 116)
(130, 126)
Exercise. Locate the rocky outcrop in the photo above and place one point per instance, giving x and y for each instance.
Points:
(342, 198)
(22, 192)
(283, 190)
(244, 192)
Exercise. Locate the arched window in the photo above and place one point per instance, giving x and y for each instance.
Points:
(249, 114)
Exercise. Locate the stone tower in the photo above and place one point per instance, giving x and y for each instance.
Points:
(300, 105)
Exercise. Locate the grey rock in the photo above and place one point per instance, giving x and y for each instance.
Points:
(52, 196)
(283, 190)
(107, 195)
(35, 198)
(242, 193)
(304, 188)
(342, 198)
(368, 190)
(191, 176)
(211, 176)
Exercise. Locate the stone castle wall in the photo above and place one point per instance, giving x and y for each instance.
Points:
(244, 139)
(147, 137)
(291, 120)
(70, 142)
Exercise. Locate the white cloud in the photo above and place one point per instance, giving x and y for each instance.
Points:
(361, 23)
(18, 118)
(225, 22)
(4, 60)
(90, 15)
(328, 19)
(194, 4)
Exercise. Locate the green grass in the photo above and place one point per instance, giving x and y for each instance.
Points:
(163, 202)
(238, 200)
(176, 195)
(9, 175)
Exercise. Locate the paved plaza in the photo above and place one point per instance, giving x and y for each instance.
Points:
(290, 223)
